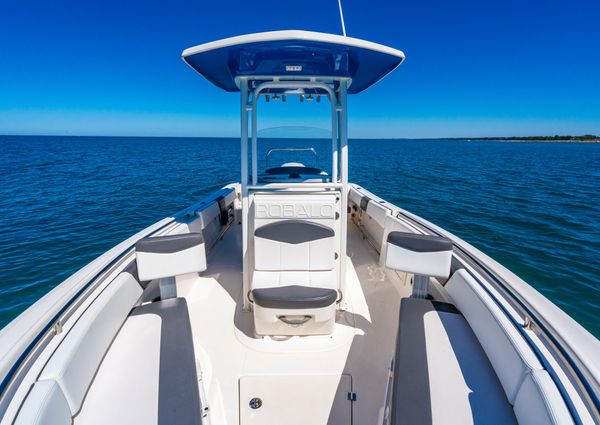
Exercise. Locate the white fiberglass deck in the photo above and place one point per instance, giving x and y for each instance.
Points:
(233, 361)
(176, 358)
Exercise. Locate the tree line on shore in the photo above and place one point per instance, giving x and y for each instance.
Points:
(583, 138)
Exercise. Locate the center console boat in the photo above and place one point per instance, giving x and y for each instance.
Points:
(295, 296)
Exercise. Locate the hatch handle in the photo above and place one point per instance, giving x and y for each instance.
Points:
(294, 320)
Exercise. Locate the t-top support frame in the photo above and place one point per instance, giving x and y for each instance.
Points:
(336, 90)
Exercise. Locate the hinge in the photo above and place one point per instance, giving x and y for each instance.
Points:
(57, 328)
(352, 396)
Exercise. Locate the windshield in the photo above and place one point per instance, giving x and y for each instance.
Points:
(294, 132)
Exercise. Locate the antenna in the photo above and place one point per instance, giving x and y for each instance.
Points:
(342, 18)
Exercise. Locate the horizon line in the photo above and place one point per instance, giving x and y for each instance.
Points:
(489, 138)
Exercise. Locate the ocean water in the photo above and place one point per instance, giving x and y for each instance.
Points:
(534, 207)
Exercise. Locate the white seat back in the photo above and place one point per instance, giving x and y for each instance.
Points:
(295, 232)
(539, 402)
(424, 255)
(294, 245)
(528, 387)
(509, 353)
(45, 405)
(169, 256)
(314, 279)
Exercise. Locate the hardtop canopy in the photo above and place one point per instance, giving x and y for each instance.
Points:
(293, 54)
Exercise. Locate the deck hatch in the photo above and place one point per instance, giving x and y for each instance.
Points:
(296, 399)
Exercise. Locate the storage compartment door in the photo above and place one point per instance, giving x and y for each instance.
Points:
(295, 400)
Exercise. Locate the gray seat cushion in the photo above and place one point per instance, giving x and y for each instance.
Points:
(169, 244)
(419, 243)
(294, 231)
(178, 394)
(294, 297)
(441, 373)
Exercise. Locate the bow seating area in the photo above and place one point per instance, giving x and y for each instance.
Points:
(469, 346)
(107, 344)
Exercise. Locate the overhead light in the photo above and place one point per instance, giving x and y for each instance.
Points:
(318, 98)
(301, 98)
(283, 97)
(267, 98)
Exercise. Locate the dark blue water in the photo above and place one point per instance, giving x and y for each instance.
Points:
(534, 207)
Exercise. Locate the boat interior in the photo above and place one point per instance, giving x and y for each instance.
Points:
(189, 352)
(292, 297)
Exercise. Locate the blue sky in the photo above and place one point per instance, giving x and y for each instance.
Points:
(473, 68)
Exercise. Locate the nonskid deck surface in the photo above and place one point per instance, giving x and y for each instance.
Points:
(175, 356)
(297, 378)
(361, 346)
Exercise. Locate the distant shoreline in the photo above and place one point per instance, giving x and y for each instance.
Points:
(526, 140)
(584, 138)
